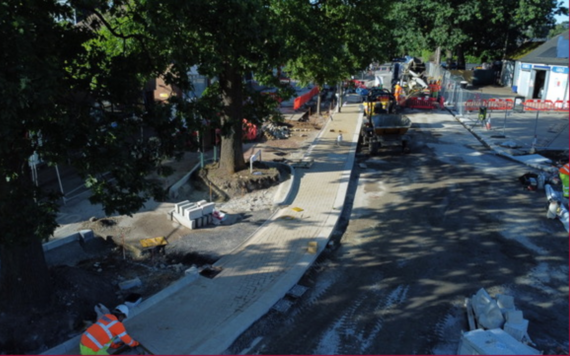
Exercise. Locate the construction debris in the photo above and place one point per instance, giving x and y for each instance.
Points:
(495, 327)
(275, 132)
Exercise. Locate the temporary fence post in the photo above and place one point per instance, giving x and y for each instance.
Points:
(535, 139)
(505, 121)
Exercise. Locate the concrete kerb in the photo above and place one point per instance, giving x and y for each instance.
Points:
(173, 189)
(345, 177)
(53, 244)
(527, 161)
(291, 186)
(219, 342)
(279, 289)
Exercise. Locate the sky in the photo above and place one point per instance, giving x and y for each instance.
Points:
(560, 19)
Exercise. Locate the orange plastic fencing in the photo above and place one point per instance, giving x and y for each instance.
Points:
(545, 105)
(562, 105)
(508, 104)
(500, 104)
(473, 105)
(301, 100)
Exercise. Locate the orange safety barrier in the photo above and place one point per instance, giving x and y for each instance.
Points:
(301, 100)
(274, 96)
(545, 105)
(508, 104)
(472, 105)
(538, 105)
(561, 105)
(500, 104)
(421, 103)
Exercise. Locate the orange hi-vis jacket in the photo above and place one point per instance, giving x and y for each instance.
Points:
(101, 333)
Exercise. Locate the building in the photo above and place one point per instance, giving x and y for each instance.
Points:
(543, 73)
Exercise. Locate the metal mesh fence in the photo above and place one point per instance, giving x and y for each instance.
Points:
(453, 90)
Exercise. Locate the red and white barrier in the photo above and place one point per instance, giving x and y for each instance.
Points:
(508, 104)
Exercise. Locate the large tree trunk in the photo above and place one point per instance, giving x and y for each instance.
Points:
(319, 102)
(231, 152)
(460, 58)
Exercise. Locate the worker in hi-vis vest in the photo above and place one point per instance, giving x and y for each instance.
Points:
(101, 335)
(398, 91)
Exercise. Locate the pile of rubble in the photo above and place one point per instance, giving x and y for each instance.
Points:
(276, 132)
(496, 327)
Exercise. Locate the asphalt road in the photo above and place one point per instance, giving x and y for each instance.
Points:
(426, 230)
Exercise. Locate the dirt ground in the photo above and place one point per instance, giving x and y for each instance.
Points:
(101, 269)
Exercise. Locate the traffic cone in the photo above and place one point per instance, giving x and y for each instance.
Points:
(488, 125)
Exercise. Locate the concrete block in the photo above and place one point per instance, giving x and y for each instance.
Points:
(178, 205)
(182, 220)
(208, 208)
(505, 301)
(516, 330)
(514, 316)
(193, 213)
(492, 342)
(53, 244)
(131, 283)
(202, 202)
(185, 206)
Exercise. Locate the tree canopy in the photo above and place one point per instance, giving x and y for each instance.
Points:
(69, 96)
(488, 28)
(73, 92)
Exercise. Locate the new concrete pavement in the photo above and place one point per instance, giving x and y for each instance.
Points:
(200, 315)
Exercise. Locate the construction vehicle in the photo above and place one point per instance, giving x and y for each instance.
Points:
(383, 126)
(378, 101)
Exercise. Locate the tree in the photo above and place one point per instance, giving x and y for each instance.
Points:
(69, 97)
(330, 40)
(488, 28)
(226, 40)
(558, 29)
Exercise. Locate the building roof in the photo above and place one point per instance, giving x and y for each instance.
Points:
(552, 52)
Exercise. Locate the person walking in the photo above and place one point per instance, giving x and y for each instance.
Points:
(339, 139)
(102, 335)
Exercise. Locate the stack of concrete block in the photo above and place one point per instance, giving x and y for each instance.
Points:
(193, 215)
(500, 312)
